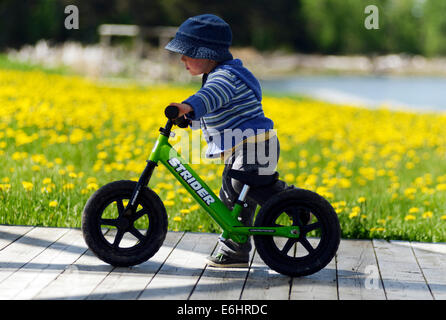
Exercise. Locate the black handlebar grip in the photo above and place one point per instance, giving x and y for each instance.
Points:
(171, 112)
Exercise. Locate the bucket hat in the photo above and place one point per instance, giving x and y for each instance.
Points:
(204, 36)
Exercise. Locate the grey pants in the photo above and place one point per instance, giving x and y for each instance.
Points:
(261, 158)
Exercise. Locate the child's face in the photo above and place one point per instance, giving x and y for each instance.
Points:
(198, 66)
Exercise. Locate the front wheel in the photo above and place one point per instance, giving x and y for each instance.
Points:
(124, 238)
(318, 239)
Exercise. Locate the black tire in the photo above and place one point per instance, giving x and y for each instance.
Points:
(297, 204)
(100, 221)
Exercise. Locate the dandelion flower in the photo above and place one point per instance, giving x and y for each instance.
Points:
(169, 203)
(28, 186)
(409, 217)
(427, 214)
(353, 214)
(53, 204)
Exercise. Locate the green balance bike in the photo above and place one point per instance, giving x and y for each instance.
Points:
(296, 232)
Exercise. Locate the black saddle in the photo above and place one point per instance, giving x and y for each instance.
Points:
(253, 179)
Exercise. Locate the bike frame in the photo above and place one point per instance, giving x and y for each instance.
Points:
(227, 219)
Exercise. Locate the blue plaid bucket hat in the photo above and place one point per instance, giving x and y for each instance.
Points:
(203, 37)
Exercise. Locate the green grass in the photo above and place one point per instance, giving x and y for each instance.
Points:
(8, 64)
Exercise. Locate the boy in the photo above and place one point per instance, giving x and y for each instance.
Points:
(229, 101)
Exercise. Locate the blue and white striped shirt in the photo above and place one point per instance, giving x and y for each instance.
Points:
(229, 107)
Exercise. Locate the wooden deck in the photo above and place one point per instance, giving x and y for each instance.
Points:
(54, 263)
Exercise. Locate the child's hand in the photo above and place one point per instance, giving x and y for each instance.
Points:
(182, 107)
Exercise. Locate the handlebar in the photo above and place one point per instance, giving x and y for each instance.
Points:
(171, 112)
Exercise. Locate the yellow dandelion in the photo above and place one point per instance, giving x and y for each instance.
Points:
(185, 211)
(409, 217)
(92, 186)
(28, 186)
(47, 181)
(169, 203)
(177, 219)
(427, 214)
(68, 186)
(361, 199)
(53, 204)
(353, 214)
(186, 200)
(170, 195)
(414, 210)
(5, 187)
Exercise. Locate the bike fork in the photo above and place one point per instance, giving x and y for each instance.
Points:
(142, 182)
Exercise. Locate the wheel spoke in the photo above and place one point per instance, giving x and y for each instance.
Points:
(306, 244)
(118, 238)
(311, 227)
(136, 233)
(139, 214)
(109, 222)
(295, 213)
(120, 205)
(288, 245)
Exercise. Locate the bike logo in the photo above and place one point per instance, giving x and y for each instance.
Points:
(191, 181)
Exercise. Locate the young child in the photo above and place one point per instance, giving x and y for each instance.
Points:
(229, 100)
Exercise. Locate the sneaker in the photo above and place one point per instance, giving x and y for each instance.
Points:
(223, 261)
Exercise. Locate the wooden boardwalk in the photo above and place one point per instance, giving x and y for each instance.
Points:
(54, 263)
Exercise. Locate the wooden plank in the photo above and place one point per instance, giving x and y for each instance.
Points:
(181, 271)
(358, 272)
(318, 286)
(44, 268)
(221, 283)
(401, 275)
(265, 284)
(17, 254)
(77, 280)
(432, 260)
(128, 283)
(9, 234)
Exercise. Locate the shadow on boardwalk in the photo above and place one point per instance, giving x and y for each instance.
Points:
(54, 263)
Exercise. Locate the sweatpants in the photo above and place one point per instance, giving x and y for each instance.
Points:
(250, 157)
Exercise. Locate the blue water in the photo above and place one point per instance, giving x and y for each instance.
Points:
(418, 93)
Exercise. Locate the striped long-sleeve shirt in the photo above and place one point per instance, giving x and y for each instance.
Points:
(229, 107)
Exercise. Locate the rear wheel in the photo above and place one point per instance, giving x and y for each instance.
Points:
(124, 238)
(319, 234)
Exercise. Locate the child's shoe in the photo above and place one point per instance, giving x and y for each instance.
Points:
(224, 261)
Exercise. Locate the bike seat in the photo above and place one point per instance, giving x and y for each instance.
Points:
(253, 179)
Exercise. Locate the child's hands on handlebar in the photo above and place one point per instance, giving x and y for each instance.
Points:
(176, 112)
(183, 108)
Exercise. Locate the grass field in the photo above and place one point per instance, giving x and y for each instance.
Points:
(62, 137)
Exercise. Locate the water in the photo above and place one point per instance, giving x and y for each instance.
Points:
(416, 93)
